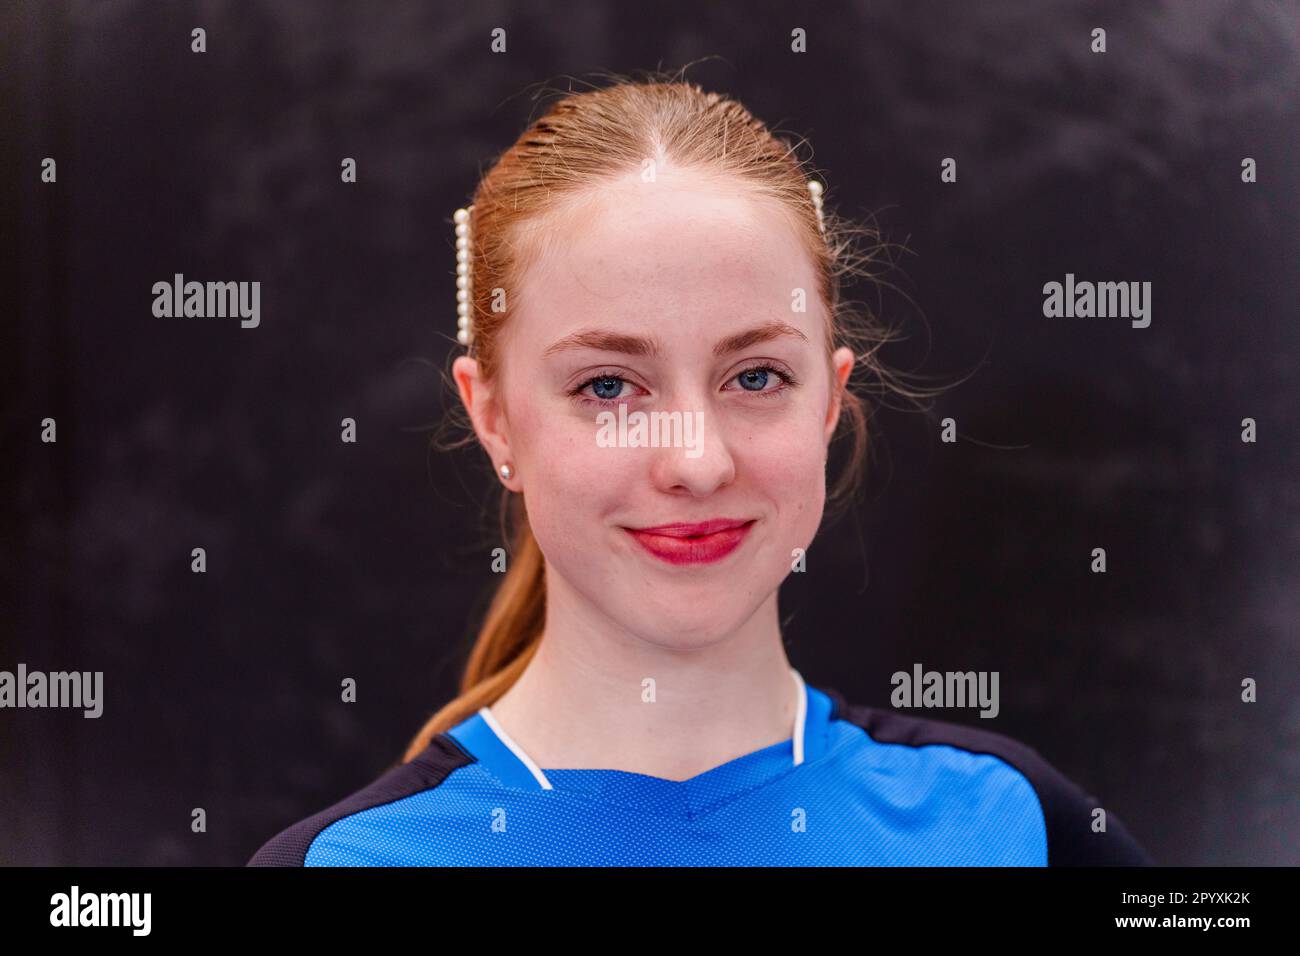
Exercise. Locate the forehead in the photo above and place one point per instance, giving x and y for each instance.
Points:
(681, 253)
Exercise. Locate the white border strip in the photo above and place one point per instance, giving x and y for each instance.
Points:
(515, 749)
(800, 717)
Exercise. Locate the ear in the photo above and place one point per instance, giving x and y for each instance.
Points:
(841, 368)
(486, 414)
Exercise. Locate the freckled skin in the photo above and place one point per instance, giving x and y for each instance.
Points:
(688, 261)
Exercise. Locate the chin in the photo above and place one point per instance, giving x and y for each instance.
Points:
(671, 619)
(692, 635)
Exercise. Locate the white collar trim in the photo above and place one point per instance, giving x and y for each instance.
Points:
(797, 736)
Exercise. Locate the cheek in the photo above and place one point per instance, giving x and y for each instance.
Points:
(567, 459)
(789, 455)
(786, 467)
(567, 477)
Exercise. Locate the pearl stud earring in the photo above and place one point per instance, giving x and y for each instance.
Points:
(506, 471)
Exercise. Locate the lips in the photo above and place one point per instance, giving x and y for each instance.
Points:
(693, 543)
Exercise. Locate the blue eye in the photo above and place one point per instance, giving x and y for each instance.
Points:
(607, 387)
(755, 380)
(611, 383)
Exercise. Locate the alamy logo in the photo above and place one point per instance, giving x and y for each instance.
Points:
(946, 689)
(1129, 300)
(651, 430)
(102, 909)
(57, 689)
(209, 300)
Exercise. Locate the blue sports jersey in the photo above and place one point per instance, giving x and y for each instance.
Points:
(854, 785)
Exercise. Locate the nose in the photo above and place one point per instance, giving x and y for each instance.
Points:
(699, 461)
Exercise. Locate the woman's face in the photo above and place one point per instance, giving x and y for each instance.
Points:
(674, 296)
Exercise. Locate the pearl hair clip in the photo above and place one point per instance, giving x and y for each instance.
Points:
(464, 285)
(465, 259)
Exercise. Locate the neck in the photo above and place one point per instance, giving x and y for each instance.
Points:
(598, 696)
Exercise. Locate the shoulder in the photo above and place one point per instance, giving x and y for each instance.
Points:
(1069, 811)
(425, 771)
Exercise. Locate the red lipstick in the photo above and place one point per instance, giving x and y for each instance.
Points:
(698, 543)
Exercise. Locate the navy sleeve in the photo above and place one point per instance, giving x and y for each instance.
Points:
(427, 769)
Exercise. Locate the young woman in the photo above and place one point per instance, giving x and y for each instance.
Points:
(657, 362)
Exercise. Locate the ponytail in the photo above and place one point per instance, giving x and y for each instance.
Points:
(509, 636)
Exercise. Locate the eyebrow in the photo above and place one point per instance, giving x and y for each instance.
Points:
(607, 340)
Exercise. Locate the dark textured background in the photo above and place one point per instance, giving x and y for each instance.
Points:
(329, 560)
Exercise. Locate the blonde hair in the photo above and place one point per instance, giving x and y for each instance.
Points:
(594, 135)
